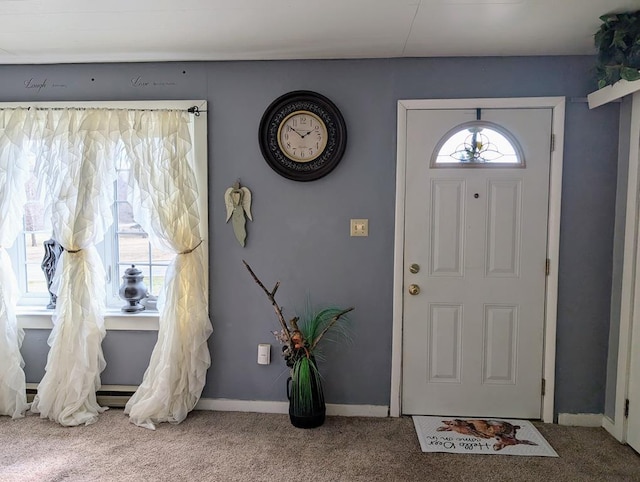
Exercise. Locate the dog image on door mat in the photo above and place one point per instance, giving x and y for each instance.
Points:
(503, 432)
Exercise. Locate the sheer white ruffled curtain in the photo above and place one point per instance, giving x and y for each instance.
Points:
(75, 152)
(14, 172)
(165, 196)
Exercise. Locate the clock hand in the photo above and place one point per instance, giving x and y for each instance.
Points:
(296, 131)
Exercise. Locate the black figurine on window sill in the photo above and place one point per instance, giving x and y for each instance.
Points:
(52, 252)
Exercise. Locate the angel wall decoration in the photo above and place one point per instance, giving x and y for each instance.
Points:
(238, 202)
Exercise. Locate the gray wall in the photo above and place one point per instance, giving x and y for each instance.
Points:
(300, 232)
(588, 208)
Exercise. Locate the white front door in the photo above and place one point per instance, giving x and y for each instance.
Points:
(473, 335)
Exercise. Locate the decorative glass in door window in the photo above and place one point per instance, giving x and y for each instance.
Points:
(478, 143)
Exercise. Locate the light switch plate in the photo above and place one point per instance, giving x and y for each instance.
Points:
(359, 227)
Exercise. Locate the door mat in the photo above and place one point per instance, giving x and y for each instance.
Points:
(481, 436)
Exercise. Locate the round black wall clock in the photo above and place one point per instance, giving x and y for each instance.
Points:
(302, 135)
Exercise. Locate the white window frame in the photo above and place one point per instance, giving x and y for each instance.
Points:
(31, 316)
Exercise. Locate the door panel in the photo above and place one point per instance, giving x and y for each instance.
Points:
(447, 227)
(473, 336)
(445, 342)
(500, 344)
(503, 240)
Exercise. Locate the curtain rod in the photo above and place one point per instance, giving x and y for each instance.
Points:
(195, 110)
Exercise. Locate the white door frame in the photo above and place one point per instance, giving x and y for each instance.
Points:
(557, 104)
(630, 296)
(630, 293)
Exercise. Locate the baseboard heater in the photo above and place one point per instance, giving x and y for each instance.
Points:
(115, 396)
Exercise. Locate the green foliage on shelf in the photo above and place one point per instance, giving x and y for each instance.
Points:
(618, 44)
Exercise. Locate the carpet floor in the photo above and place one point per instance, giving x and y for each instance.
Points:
(230, 446)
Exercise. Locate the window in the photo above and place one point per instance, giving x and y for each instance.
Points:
(28, 251)
(126, 243)
(478, 143)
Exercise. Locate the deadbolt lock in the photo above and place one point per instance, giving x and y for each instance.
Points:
(414, 268)
(414, 289)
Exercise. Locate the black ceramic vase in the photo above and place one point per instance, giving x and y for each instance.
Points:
(308, 415)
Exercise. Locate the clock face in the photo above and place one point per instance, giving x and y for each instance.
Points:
(302, 136)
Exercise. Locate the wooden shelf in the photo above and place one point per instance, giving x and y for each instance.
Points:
(613, 92)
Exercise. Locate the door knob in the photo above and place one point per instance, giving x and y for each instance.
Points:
(414, 289)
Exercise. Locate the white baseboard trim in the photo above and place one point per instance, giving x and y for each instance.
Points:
(228, 405)
(581, 419)
(259, 406)
(357, 410)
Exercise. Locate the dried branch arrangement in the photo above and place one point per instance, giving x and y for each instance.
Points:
(300, 338)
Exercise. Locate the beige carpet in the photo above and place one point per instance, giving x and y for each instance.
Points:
(226, 446)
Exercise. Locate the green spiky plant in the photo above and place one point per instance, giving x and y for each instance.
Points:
(302, 354)
(306, 393)
(618, 44)
(300, 339)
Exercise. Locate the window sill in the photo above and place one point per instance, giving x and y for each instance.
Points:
(34, 318)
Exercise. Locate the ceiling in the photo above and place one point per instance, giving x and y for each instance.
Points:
(70, 31)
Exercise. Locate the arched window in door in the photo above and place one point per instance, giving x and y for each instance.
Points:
(478, 143)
